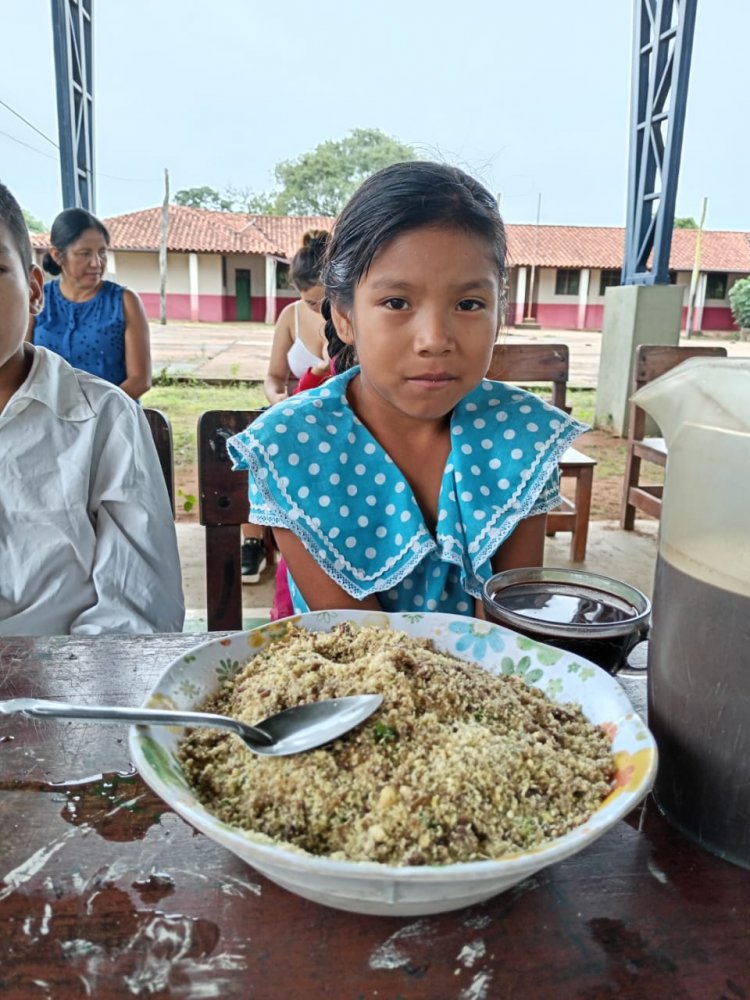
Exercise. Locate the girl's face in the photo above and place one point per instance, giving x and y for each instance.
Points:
(423, 323)
(313, 297)
(84, 261)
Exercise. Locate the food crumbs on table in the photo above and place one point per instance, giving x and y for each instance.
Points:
(457, 764)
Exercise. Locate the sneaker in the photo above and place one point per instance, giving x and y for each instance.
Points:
(253, 560)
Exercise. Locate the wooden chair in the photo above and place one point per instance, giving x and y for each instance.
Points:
(161, 432)
(651, 361)
(526, 364)
(223, 509)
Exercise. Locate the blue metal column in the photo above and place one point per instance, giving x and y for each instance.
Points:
(72, 35)
(662, 47)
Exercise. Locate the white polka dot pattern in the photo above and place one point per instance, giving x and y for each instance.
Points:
(315, 469)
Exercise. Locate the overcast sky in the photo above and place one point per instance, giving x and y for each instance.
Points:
(532, 97)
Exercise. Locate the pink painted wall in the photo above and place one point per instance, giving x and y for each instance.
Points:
(557, 315)
(211, 308)
(714, 318)
(594, 317)
(178, 305)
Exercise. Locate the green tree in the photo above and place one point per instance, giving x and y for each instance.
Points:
(203, 197)
(33, 224)
(322, 181)
(739, 300)
(316, 183)
(245, 200)
(685, 222)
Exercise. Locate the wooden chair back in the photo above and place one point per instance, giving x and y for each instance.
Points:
(161, 432)
(654, 360)
(223, 508)
(545, 362)
(651, 361)
(524, 364)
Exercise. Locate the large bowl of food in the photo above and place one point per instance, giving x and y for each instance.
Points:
(491, 757)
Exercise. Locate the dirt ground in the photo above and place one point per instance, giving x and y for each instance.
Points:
(608, 450)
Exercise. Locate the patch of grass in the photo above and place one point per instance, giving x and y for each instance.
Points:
(583, 402)
(183, 403)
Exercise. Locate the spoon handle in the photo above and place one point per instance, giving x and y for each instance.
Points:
(38, 708)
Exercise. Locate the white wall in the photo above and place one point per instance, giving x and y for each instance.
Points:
(139, 270)
(209, 274)
(256, 264)
(545, 281)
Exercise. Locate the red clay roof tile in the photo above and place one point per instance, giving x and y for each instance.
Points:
(201, 231)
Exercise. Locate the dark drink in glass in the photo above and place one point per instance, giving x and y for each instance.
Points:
(588, 615)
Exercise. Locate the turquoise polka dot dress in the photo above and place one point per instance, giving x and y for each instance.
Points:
(316, 470)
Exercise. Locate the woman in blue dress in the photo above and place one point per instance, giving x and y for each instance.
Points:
(96, 325)
(405, 481)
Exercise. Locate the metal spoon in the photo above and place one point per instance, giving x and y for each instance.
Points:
(292, 731)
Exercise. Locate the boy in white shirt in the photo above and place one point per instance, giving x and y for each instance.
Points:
(87, 539)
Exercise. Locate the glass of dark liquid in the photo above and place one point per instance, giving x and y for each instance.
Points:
(589, 615)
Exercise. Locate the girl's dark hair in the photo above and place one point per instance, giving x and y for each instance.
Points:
(307, 263)
(66, 229)
(341, 354)
(12, 218)
(395, 200)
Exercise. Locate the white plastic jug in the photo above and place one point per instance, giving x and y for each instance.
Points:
(699, 653)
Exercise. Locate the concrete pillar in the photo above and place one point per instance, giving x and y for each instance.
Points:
(583, 297)
(520, 295)
(194, 290)
(111, 265)
(270, 289)
(633, 315)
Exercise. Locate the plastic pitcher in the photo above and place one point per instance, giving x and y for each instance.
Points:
(699, 653)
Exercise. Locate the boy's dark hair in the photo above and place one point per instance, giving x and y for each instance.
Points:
(395, 200)
(12, 218)
(307, 263)
(66, 229)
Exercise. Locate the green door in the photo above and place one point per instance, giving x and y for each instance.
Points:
(242, 292)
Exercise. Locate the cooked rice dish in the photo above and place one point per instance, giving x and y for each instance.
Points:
(456, 765)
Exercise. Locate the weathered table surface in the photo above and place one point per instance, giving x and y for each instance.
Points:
(105, 892)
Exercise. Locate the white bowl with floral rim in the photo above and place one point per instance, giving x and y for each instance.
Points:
(370, 887)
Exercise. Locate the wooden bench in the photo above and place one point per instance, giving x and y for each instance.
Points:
(651, 361)
(530, 364)
(161, 432)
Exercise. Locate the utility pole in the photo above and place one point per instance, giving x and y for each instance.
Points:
(163, 252)
(696, 271)
(531, 320)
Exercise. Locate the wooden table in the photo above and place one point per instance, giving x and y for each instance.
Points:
(108, 893)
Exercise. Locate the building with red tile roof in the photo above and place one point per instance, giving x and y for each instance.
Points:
(233, 266)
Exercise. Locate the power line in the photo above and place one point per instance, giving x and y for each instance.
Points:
(20, 142)
(109, 177)
(27, 122)
(49, 156)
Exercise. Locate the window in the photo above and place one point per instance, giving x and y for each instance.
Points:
(608, 279)
(716, 286)
(566, 281)
(282, 276)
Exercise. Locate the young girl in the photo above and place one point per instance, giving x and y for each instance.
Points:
(298, 337)
(406, 481)
(298, 359)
